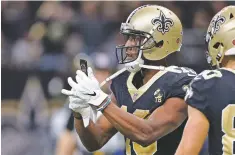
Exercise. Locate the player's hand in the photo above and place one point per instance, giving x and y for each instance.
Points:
(87, 88)
(78, 105)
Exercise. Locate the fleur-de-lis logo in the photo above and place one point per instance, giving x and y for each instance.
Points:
(216, 23)
(215, 26)
(134, 97)
(164, 23)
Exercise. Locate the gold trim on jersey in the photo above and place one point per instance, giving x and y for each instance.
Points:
(138, 149)
(227, 120)
(229, 69)
(137, 93)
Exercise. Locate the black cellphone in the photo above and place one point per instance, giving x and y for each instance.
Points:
(83, 65)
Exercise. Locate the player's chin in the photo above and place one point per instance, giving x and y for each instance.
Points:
(128, 59)
(131, 58)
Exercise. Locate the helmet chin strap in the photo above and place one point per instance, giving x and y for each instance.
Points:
(217, 64)
(153, 67)
(134, 66)
(162, 68)
(138, 67)
(219, 57)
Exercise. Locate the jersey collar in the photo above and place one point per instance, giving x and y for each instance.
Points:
(136, 93)
(229, 69)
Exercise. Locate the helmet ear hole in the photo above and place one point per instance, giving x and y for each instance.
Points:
(159, 44)
(231, 16)
(216, 45)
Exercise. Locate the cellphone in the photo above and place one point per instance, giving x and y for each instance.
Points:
(83, 65)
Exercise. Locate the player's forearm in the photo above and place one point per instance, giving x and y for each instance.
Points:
(129, 125)
(91, 136)
(66, 143)
(195, 133)
(182, 150)
(144, 132)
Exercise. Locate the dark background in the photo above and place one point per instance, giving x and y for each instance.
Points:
(41, 43)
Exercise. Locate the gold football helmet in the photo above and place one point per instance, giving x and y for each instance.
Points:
(220, 36)
(161, 30)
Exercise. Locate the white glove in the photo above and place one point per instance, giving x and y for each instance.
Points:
(78, 105)
(87, 88)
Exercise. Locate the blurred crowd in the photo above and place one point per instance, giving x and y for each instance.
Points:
(42, 42)
(34, 33)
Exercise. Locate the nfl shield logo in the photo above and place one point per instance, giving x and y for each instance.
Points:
(158, 94)
(134, 97)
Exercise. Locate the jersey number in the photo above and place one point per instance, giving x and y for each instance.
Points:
(185, 70)
(208, 74)
(228, 127)
(139, 150)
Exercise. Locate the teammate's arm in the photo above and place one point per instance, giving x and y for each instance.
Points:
(96, 134)
(66, 143)
(195, 133)
(162, 121)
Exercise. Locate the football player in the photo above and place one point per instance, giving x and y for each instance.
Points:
(211, 96)
(147, 102)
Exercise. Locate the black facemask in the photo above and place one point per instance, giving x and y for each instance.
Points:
(144, 39)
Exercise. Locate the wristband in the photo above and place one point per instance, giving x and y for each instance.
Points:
(108, 101)
(77, 115)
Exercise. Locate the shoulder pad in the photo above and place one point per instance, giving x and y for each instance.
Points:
(179, 82)
(181, 75)
(204, 81)
(182, 70)
(206, 75)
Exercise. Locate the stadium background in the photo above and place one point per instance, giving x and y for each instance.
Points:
(41, 43)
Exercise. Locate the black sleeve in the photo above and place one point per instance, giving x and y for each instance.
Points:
(198, 95)
(179, 87)
(70, 123)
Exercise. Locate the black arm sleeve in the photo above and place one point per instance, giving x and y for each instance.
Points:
(70, 123)
(198, 95)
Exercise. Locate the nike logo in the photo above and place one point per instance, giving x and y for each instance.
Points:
(91, 94)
